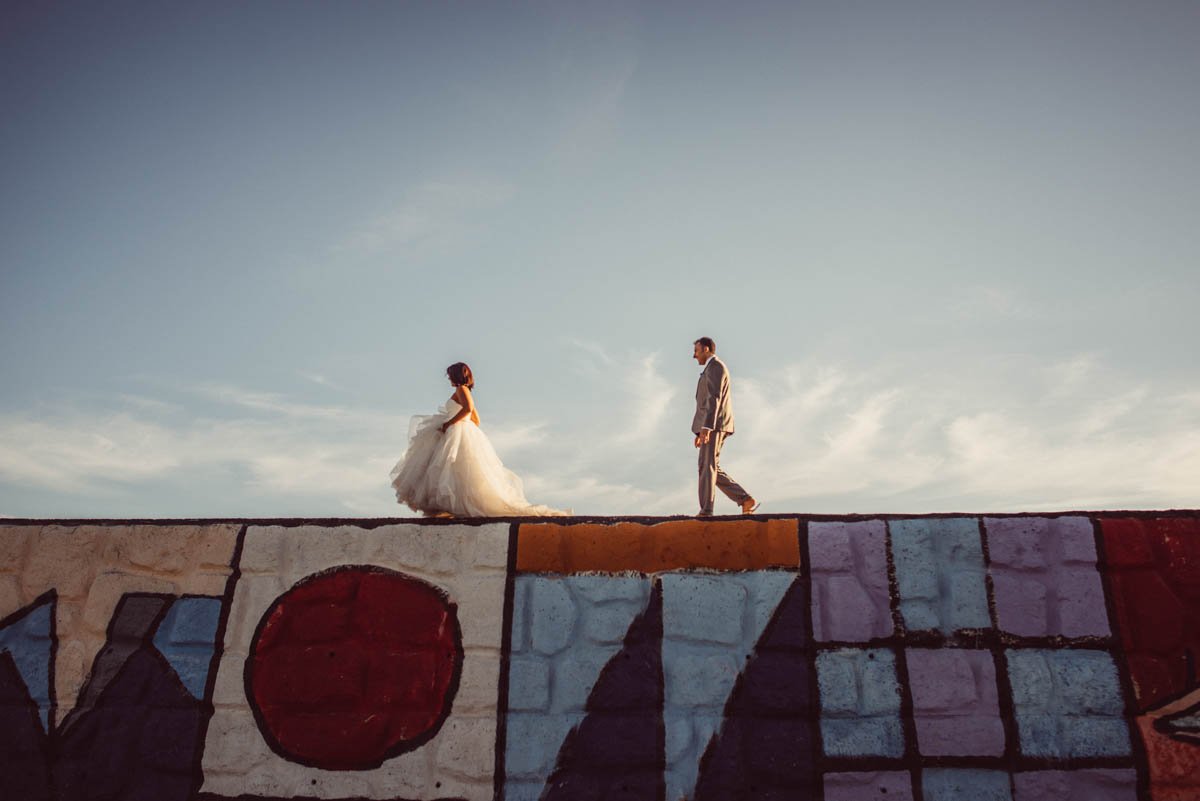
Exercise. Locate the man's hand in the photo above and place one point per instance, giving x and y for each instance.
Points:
(703, 437)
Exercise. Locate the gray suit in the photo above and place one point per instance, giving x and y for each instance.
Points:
(714, 411)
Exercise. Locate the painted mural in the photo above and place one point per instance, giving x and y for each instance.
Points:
(1013, 657)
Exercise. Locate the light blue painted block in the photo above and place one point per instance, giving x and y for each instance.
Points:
(880, 687)
(570, 628)
(1094, 737)
(678, 737)
(711, 623)
(696, 677)
(860, 702)
(955, 784)
(966, 603)
(1038, 733)
(520, 624)
(837, 680)
(703, 608)
(1030, 677)
(1087, 682)
(862, 737)
(28, 641)
(920, 615)
(606, 589)
(190, 621)
(608, 605)
(551, 615)
(575, 676)
(766, 589)
(187, 637)
(532, 744)
(522, 791)
(528, 685)
(940, 573)
(1067, 703)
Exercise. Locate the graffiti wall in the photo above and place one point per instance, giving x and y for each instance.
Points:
(1016, 657)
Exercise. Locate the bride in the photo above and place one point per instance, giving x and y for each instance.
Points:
(450, 466)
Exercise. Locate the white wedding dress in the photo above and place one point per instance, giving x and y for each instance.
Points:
(458, 472)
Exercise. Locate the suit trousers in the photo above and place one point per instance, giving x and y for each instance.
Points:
(712, 477)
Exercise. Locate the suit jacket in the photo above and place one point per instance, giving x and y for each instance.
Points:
(714, 409)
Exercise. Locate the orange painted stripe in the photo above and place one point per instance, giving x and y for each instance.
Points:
(674, 545)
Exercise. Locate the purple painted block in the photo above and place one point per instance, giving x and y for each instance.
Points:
(892, 785)
(1017, 542)
(1081, 610)
(829, 548)
(1078, 539)
(851, 601)
(1023, 610)
(1045, 578)
(955, 703)
(1075, 785)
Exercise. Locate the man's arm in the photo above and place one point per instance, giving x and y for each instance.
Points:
(712, 393)
(712, 379)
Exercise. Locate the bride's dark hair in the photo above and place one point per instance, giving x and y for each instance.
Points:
(459, 374)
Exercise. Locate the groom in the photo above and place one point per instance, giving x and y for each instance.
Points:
(712, 423)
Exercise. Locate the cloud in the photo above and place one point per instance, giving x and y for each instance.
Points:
(271, 402)
(810, 438)
(76, 455)
(990, 302)
(433, 210)
(318, 379)
(594, 55)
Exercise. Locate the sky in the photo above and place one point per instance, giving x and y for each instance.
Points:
(948, 251)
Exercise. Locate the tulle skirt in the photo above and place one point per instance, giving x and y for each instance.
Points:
(458, 472)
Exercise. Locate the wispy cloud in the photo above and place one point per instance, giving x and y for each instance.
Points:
(810, 438)
(270, 402)
(318, 379)
(991, 302)
(431, 210)
(595, 55)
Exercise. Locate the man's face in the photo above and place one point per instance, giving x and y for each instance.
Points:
(700, 353)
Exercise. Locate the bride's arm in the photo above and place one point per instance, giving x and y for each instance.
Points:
(466, 408)
(470, 404)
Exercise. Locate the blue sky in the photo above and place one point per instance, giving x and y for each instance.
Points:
(948, 251)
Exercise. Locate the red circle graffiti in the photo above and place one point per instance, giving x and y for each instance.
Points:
(353, 666)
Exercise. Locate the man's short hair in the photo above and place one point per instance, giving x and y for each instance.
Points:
(706, 342)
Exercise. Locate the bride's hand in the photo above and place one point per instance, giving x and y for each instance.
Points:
(443, 427)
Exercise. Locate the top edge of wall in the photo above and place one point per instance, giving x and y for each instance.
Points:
(372, 522)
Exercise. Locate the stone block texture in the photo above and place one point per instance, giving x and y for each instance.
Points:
(869, 786)
(860, 703)
(91, 567)
(1018, 657)
(851, 601)
(1067, 703)
(364, 640)
(1075, 785)
(1045, 578)
(955, 702)
(1153, 569)
(956, 784)
(711, 625)
(565, 630)
(940, 574)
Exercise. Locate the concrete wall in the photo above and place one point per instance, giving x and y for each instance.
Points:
(1018, 657)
